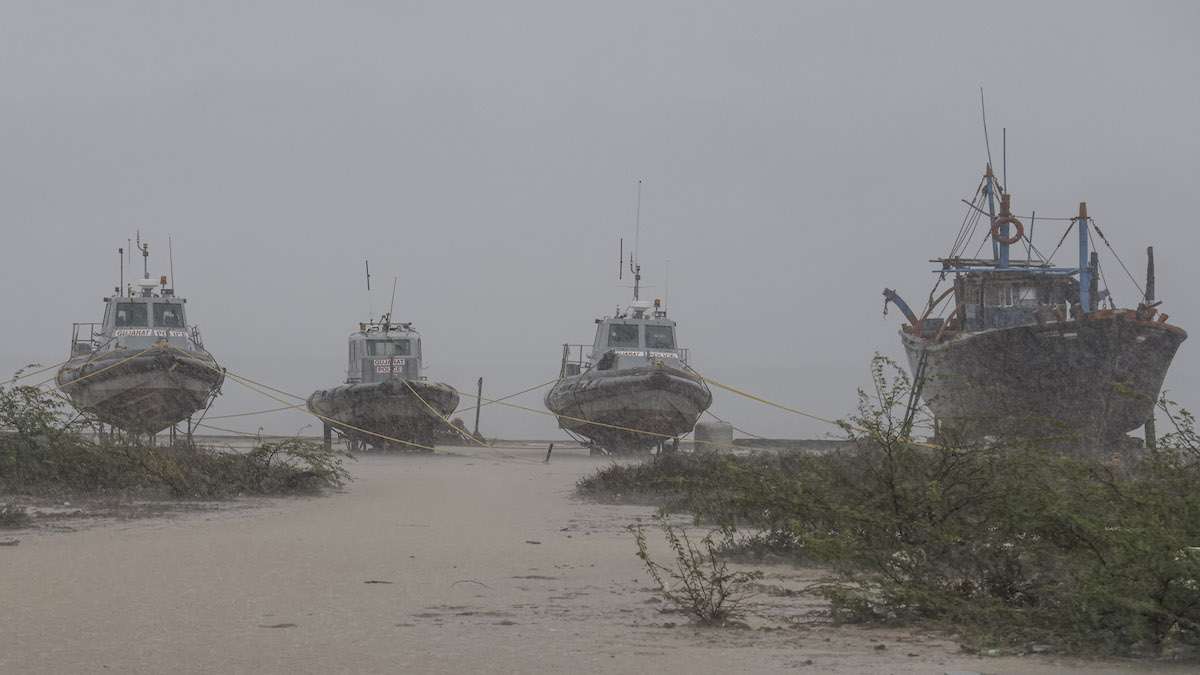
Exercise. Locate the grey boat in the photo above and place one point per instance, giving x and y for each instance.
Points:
(143, 368)
(1028, 348)
(633, 389)
(385, 402)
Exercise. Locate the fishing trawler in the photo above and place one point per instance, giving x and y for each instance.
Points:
(143, 368)
(385, 402)
(634, 389)
(1032, 350)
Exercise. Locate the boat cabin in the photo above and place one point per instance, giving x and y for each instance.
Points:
(1006, 298)
(635, 338)
(384, 350)
(148, 315)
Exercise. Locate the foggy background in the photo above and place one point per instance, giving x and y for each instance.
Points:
(797, 158)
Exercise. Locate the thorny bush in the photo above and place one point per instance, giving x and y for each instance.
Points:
(1008, 543)
(43, 451)
(699, 582)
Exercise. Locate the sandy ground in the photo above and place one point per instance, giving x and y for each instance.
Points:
(465, 561)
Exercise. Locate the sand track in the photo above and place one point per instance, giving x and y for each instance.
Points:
(471, 561)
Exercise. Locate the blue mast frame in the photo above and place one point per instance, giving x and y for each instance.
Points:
(1085, 269)
(999, 249)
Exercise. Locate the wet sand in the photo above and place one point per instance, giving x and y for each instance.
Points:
(471, 560)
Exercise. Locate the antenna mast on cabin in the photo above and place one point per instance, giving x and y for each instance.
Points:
(145, 249)
(634, 265)
(392, 305)
(370, 308)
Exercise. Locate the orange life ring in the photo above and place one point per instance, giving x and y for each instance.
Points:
(1007, 220)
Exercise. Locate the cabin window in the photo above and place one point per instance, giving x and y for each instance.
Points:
(388, 347)
(1008, 296)
(1027, 296)
(168, 315)
(622, 335)
(660, 337)
(131, 314)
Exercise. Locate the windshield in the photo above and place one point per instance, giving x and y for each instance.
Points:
(622, 335)
(131, 314)
(388, 347)
(660, 337)
(168, 315)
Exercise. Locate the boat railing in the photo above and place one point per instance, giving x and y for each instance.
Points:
(85, 338)
(573, 360)
(577, 358)
(195, 337)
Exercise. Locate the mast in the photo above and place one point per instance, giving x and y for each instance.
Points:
(999, 249)
(1149, 430)
(1085, 268)
(635, 265)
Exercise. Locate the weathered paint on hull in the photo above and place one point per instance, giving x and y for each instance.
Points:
(1082, 382)
(662, 401)
(387, 408)
(145, 394)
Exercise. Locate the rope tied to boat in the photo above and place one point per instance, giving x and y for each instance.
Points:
(443, 418)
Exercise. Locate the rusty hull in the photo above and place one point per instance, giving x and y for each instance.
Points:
(1087, 382)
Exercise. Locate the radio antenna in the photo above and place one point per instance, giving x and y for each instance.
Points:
(370, 309)
(171, 260)
(1004, 156)
(987, 144)
(667, 285)
(392, 306)
(634, 265)
(637, 221)
(121, 266)
(621, 258)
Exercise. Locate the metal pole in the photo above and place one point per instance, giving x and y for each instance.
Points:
(1149, 274)
(999, 252)
(478, 404)
(1085, 270)
(1150, 430)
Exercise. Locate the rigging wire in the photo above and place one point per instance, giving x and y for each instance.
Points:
(1119, 261)
(21, 376)
(256, 412)
(734, 426)
(1062, 239)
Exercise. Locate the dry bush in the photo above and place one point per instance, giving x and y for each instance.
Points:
(699, 582)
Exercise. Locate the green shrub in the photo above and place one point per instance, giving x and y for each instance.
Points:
(42, 451)
(1006, 542)
(13, 516)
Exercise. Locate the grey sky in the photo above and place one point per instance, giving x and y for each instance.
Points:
(797, 156)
